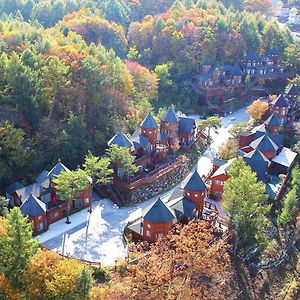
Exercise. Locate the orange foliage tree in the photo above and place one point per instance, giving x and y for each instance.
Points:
(257, 109)
(51, 276)
(192, 262)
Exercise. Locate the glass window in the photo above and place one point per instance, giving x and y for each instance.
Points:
(148, 233)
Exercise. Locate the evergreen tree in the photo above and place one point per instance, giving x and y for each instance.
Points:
(117, 12)
(85, 282)
(245, 203)
(123, 158)
(3, 206)
(16, 247)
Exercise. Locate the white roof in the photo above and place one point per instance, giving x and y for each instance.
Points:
(285, 157)
(224, 168)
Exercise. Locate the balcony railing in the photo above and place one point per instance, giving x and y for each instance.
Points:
(147, 178)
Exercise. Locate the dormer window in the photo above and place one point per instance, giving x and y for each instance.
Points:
(150, 132)
(196, 195)
(188, 194)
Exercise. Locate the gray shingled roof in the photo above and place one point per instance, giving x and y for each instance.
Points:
(292, 91)
(33, 207)
(56, 170)
(158, 213)
(280, 101)
(170, 116)
(186, 125)
(149, 122)
(121, 140)
(195, 183)
(273, 120)
(183, 208)
(13, 187)
(264, 143)
(258, 163)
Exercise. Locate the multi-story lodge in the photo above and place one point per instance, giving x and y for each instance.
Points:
(153, 147)
(262, 149)
(266, 66)
(214, 80)
(41, 202)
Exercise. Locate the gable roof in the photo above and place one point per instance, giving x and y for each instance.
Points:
(170, 116)
(120, 139)
(252, 56)
(32, 189)
(273, 120)
(264, 144)
(186, 125)
(56, 170)
(139, 140)
(257, 155)
(195, 183)
(183, 208)
(285, 158)
(33, 207)
(292, 90)
(158, 212)
(280, 101)
(149, 122)
(207, 62)
(272, 51)
(42, 177)
(13, 187)
(223, 169)
(258, 163)
(206, 75)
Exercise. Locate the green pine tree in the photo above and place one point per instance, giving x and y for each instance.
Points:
(16, 247)
(3, 206)
(245, 202)
(85, 282)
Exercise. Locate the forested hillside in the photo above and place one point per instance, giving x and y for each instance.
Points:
(73, 72)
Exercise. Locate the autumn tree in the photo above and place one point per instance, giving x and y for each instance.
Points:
(51, 277)
(245, 203)
(17, 247)
(70, 185)
(229, 149)
(98, 169)
(122, 158)
(257, 109)
(177, 267)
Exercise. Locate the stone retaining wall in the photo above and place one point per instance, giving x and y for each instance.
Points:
(168, 181)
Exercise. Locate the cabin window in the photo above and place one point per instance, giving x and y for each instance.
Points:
(159, 236)
(209, 182)
(86, 201)
(39, 218)
(219, 182)
(148, 226)
(40, 226)
(150, 131)
(196, 195)
(78, 203)
(148, 233)
(188, 194)
(54, 215)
